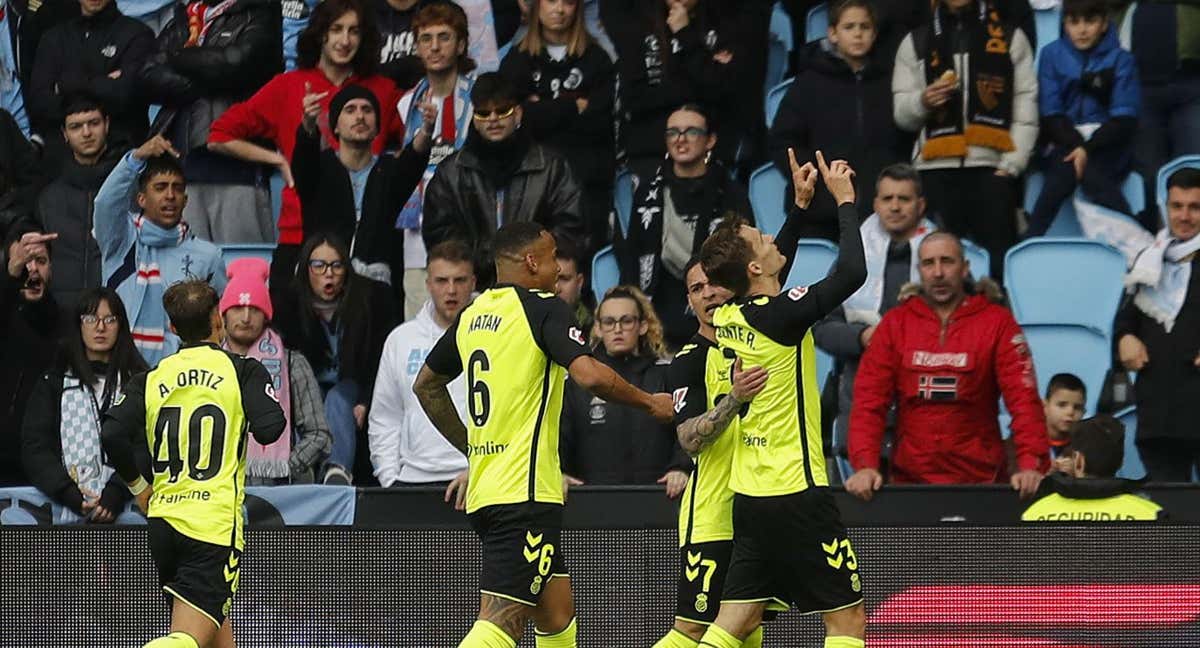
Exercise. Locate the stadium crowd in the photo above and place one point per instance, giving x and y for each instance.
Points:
(370, 149)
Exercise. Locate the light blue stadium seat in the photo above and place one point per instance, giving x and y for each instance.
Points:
(816, 24)
(1048, 23)
(1065, 281)
(779, 46)
(979, 259)
(1065, 222)
(1165, 171)
(1131, 467)
(813, 259)
(767, 189)
(605, 272)
(1059, 348)
(234, 251)
(774, 98)
(623, 198)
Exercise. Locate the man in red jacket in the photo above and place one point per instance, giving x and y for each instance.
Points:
(945, 357)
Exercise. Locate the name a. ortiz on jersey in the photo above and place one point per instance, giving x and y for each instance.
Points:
(485, 322)
(485, 448)
(192, 378)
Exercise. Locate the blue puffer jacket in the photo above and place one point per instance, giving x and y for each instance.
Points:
(1060, 85)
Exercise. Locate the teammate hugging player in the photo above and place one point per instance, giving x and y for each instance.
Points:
(789, 542)
(516, 341)
(192, 412)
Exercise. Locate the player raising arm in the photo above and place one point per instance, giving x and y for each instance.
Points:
(517, 341)
(192, 412)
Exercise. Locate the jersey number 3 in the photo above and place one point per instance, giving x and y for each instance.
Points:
(167, 429)
(479, 397)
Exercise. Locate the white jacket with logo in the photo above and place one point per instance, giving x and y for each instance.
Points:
(405, 446)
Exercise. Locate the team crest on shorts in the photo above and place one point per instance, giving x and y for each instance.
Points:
(536, 586)
(701, 602)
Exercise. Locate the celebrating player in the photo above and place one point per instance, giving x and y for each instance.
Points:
(788, 535)
(192, 411)
(516, 342)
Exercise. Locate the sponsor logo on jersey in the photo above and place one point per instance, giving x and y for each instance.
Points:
(795, 294)
(270, 390)
(577, 335)
(679, 397)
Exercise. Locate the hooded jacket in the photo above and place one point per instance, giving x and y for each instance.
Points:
(946, 380)
(405, 445)
(1065, 100)
(852, 121)
(66, 207)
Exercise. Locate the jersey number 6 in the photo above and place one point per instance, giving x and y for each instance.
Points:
(479, 398)
(169, 419)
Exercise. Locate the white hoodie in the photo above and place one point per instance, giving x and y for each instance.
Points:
(405, 446)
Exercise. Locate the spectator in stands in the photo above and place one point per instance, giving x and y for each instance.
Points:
(944, 357)
(1063, 407)
(142, 252)
(606, 443)
(304, 445)
(973, 98)
(406, 449)
(61, 431)
(339, 47)
(1158, 334)
(671, 52)
(674, 210)
(101, 52)
(567, 83)
(1088, 97)
(23, 23)
(12, 98)
(353, 192)
(398, 58)
(572, 276)
(20, 175)
(891, 236)
(1090, 491)
(499, 176)
(210, 56)
(851, 120)
(65, 205)
(1163, 42)
(339, 320)
(441, 32)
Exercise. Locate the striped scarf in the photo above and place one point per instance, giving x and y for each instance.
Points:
(146, 313)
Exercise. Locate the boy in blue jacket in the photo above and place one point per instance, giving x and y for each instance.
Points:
(1088, 98)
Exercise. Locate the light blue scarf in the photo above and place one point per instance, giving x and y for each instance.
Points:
(146, 313)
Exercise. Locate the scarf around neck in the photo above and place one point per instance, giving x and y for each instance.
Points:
(79, 433)
(863, 306)
(145, 309)
(646, 224)
(271, 461)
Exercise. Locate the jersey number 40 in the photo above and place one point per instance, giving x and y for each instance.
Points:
(168, 429)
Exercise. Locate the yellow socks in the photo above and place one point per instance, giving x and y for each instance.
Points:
(485, 634)
(174, 640)
(564, 638)
(755, 638)
(716, 637)
(675, 639)
(844, 642)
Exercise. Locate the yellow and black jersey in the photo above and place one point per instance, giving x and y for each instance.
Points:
(515, 345)
(1056, 507)
(699, 377)
(192, 412)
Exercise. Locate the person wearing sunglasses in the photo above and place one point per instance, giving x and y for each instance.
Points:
(339, 320)
(499, 176)
(60, 445)
(679, 203)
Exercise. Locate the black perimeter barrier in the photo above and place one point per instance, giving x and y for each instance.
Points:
(940, 567)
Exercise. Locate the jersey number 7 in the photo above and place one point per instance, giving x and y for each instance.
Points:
(167, 429)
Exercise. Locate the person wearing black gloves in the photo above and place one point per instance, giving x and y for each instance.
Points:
(61, 432)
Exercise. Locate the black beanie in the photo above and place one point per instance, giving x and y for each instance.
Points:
(344, 96)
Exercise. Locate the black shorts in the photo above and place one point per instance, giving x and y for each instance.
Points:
(792, 547)
(202, 575)
(521, 550)
(702, 570)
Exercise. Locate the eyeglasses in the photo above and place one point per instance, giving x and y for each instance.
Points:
(498, 113)
(92, 320)
(442, 37)
(692, 133)
(626, 322)
(317, 266)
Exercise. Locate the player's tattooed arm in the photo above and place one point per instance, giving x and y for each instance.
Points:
(509, 616)
(431, 391)
(699, 431)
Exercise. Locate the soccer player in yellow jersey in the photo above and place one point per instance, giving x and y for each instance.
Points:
(517, 342)
(789, 540)
(192, 413)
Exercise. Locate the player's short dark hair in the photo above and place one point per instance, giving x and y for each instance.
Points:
(725, 255)
(568, 250)
(1067, 381)
(81, 102)
(165, 164)
(1185, 178)
(1101, 441)
(1085, 8)
(493, 89)
(692, 263)
(902, 172)
(453, 251)
(190, 305)
(514, 238)
(836, 9)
